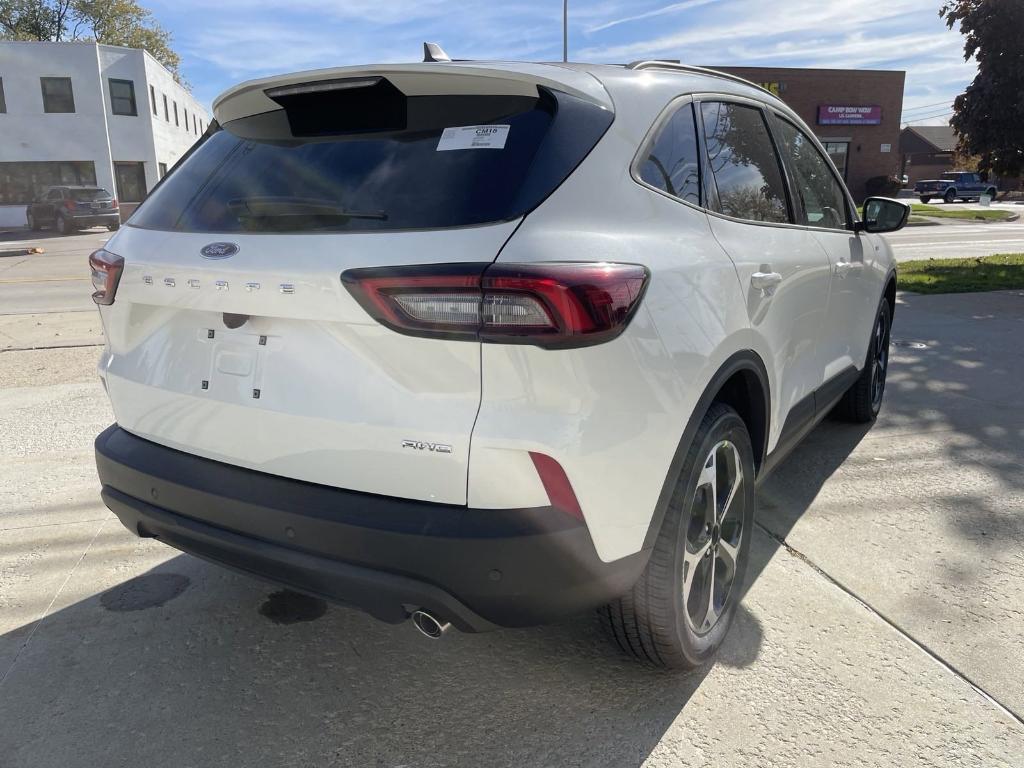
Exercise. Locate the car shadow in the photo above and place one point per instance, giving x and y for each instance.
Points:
(787, 493)
(189, 664)
(18, 235)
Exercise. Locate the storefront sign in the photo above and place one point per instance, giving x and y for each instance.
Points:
(836, 114)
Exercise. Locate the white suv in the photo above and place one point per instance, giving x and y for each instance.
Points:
(486, 344)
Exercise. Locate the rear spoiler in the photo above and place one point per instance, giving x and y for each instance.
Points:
(421, 79)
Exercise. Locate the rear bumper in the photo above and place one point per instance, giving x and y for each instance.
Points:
(96, 219)
(478, 568)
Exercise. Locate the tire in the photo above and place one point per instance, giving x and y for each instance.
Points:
(657, 621)
(32, 223)
(991, 192)
(63, 228)
(113, 227)
(925, 200)
(950, 196)
(862, 401)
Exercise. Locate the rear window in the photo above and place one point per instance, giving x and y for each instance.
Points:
(87, 195)
(365, 159)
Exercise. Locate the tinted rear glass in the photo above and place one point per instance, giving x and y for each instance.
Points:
(314, 167)
(85, 195)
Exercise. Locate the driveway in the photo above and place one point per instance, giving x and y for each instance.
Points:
(881, 626)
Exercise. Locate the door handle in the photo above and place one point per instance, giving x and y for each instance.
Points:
(765, 282)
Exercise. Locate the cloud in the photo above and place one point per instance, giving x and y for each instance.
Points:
(674, 8)
(233, 40)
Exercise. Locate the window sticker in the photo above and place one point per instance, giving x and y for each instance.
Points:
(473, 137)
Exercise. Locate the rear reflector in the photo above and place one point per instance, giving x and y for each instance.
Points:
(106, 271)
(549, 304)
(556, 484)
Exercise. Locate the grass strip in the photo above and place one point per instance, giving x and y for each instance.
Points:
(1004, 271)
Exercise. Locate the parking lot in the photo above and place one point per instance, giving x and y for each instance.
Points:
(882, 624)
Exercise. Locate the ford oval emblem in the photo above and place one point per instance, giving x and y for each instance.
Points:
(219, 250)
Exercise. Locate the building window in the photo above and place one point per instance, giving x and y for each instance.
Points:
(839, 151)
(131, 181)
(122, 97)
(195, 124)
(162, 168)
(22, 183)
(57, 94)
(167, 114)
(3, 101)
(176, 114)
(152, 100)
(186, 117)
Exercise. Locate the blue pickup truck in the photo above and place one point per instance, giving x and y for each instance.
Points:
(953, 186)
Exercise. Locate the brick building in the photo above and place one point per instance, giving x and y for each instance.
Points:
(927, 151)
(855, 113)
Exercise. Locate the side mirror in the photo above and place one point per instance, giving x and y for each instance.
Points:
(883, 214)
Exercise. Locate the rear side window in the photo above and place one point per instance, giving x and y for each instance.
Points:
(819, 194)
(87, 195)
(672, 163)
(355, 160)
(743, 163)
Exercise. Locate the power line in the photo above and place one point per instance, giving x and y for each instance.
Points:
(926, 106)
(928, 117)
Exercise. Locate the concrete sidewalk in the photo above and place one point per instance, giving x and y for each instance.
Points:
(886, 632)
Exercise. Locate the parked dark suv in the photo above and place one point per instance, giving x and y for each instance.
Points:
(70, 208)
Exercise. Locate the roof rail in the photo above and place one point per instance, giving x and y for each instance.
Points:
(655, 64)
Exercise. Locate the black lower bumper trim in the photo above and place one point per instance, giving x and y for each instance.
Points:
(477, 568)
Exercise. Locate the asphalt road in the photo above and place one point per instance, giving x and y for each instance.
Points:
(945, 241)
(881, 625)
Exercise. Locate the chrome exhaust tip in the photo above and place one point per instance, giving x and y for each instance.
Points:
(430, 625)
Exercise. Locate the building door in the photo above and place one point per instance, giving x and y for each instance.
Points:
(131, 182)
(839, 151)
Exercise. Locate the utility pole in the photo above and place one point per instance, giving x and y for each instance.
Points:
(565, 30)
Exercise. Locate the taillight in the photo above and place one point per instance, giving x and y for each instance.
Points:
(113, 203)
(549, 304)
(70, 205)
(106, 273)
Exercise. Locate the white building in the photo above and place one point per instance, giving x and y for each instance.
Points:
(83, 113)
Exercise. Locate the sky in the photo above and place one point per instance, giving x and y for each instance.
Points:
(223, 42)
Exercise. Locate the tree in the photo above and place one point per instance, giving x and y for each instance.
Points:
(34, 19)
(114, 22)
(989, 116)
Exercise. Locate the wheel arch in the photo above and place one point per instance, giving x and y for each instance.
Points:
(890, 293)
(742, 383)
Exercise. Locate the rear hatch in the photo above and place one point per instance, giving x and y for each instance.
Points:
(231, 335)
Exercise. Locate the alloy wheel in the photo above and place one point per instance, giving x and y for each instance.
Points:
(713, 537)
(879, 360)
